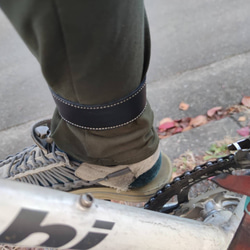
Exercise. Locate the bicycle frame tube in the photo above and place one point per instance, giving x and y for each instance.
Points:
(34, 216)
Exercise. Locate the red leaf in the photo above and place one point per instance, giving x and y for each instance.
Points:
(177, 130)
(244, 131)
(166, 125)
(246, 101)
(213, 110)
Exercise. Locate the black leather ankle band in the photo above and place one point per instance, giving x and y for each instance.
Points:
(106, 116)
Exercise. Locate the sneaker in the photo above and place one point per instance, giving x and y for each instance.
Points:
(43, 164)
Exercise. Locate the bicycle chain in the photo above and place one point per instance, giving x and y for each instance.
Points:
(181, 184)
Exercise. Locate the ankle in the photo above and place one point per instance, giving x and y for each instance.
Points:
(148, 176)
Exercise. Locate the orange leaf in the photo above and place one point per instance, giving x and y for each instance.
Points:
(163, 136)
(187, 128)
(198, 121)
(167, 119)
(213, 110)
(246, 101)
(242, 119)
(183, 106)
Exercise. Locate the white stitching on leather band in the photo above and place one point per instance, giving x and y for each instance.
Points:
(104, 128)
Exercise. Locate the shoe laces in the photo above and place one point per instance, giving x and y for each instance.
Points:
(43, 153)
(31, 158)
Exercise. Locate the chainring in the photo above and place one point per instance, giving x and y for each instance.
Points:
(175, 196)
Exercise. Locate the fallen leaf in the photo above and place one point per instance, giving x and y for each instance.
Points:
(246, 101)
(184, 122)
(183, 106)
(163, 136)
(213, 110)
(167, 119)
(198, 121)
(244, 131)
(242, 119)
(234, 109)
(187, 128)
(177, 130)
(166, 125)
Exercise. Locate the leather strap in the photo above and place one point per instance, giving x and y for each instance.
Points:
(107, 116)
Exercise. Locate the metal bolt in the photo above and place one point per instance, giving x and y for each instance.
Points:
(86, 200)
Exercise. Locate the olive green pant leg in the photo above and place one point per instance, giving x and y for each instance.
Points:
(91, 52)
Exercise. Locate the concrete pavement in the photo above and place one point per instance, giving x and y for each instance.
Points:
(200, 55)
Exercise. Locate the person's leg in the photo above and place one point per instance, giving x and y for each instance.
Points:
(92, 53)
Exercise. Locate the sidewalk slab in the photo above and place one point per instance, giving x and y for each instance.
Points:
(198, 140)
(223, 84)
(246, 115)
(15, 139)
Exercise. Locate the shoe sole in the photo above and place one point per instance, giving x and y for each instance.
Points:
(137, 194)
